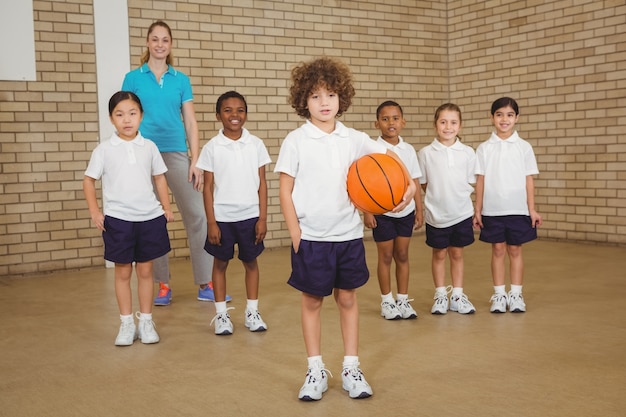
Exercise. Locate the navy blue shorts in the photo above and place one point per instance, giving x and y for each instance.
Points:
(320, 267)
(243, 234)
(458, 235)
(514, 230)
(126, 242)
(388, 228)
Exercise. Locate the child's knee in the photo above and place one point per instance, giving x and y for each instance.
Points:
(514, 251)
(499, 250)
(346, 299)
(401, 257)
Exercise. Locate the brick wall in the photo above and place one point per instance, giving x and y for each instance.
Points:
(395, 52)
(561, 60)
(565, 63)
(48, 128)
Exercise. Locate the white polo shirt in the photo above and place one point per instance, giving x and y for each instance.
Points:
(407, 154)
(448, 171)
(126, 169)
(319, 163)
(505, 165)
(235, 166)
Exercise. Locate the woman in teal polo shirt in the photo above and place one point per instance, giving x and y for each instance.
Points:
(166, 95)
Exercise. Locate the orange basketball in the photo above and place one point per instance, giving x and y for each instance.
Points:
(376, 183)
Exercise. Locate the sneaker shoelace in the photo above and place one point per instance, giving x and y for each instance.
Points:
(127, 327)
(515, 298)
(498, 297)
(405, 303)
(354, 372)
(221, 317)
(254, 316)
(463, 300)
(147, 322)
(163, 290)
(405, 307)
(389, 305)
(441, 297)
(313, 374)
(148, 326)
(127, 333)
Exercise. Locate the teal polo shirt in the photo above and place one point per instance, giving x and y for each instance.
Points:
(162, 103)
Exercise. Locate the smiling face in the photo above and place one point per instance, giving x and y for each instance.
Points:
(447, 126)
(504, 120)
(159, 42)
(390, 122)
(323, 106)
(233, 115)
(126, 117)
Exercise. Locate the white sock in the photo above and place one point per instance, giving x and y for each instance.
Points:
(499, 289)
(457, 291)
(516, 289)
(441, 290)
(315, 361)
(349, 361)
(402, 297)
(387, 297)
(126, 318)
(252, 304)
(220, 307)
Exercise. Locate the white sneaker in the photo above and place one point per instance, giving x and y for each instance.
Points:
(146, 330)
(354, 382)
(126, 335)
(441, 303)
(498, 303)
(405, 309)
(254, 322)
(516, 302)
(461, 304)
(223, 325)
(390, 311)
(315, 383)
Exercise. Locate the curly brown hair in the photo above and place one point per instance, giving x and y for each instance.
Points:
(329, 73)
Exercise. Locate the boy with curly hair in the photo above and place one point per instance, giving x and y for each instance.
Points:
(328, 255)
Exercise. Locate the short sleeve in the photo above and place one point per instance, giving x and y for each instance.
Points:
(263, 155)
(287, 162)
(158, 164)
(95, 168)
(471, 165)
(187, 94)
(205, 160)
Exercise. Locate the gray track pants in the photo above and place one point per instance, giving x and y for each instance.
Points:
(191, 207)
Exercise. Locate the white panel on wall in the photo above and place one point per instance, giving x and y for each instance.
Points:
(112, 58)
(17, 48)
(112, 54)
